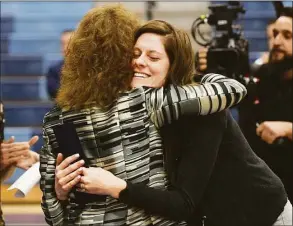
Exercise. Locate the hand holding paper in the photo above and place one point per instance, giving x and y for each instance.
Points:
(26, 181)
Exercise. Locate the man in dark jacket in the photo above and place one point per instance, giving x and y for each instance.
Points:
(267, 122)
(53, 74)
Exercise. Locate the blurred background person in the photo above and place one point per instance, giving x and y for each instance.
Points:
(54, 71)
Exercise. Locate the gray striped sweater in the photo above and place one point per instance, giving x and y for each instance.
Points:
(124, 140)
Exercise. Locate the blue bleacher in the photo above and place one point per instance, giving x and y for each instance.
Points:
(257, 6)
(6, 24)
(23, 88)
(53, 24)
(30, 33)
(34, 45)
(26, 113)
(6, 27)
(254, 23)
(257, 40)
(21, 65)
(4, 43)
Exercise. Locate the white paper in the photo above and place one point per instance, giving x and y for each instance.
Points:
(26, 181)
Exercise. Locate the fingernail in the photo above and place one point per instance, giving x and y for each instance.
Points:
(76, 155)
(81, 161)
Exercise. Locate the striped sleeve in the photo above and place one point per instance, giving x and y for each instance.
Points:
(51, 206)
(215, 93)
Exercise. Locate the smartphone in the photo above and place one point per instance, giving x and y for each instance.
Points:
(68, 141)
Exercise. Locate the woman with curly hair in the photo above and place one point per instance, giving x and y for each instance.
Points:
(222, 180)
(115, 125)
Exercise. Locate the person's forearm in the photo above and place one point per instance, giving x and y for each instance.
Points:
(215, 94)
(172, 205)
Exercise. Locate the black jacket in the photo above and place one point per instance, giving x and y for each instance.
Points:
(274, 96)
(53, 78)
(214, 173)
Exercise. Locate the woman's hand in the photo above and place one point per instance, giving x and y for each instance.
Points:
(67, 175)
(101, 182)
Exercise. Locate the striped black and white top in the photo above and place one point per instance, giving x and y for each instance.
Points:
(124, 139)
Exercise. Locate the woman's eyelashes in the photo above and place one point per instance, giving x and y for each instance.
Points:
(153, 58)
(150, 56)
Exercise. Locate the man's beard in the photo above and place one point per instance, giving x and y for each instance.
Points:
(278, 55)
(282, 66)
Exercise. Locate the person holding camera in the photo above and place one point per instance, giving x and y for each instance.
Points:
(266, 114)
(269, 126)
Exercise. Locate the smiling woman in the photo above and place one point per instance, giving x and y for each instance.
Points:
(151, 62)
(164, 54)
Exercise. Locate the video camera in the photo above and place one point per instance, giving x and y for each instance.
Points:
(228, 50)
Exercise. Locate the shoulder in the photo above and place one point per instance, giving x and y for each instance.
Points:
(53, 114)
(56, 66)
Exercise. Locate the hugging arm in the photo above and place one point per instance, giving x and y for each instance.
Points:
(215, 93)
(52, 207)
(193, 171)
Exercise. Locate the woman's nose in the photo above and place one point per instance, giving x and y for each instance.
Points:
(140, 61)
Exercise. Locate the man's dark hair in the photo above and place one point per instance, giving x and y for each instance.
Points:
(270, 22)
(287, 11)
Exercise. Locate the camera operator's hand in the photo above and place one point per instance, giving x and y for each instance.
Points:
(269, 131)
(202, 59)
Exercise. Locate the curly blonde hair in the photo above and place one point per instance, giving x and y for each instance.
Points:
(97, 64)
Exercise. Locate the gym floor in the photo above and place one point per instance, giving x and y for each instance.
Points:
(23, 215)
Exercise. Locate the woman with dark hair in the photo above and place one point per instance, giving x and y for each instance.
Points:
(116, 126)
(221, 178)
